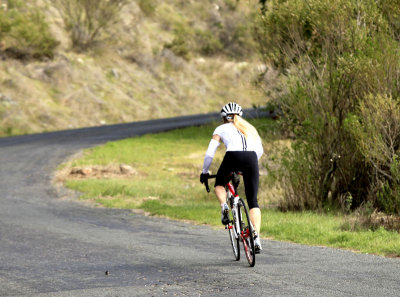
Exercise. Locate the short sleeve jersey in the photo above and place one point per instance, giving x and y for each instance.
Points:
(234, 140)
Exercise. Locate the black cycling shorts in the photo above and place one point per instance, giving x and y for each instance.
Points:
(247, 163)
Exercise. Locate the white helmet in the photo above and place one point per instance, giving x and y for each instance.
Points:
(231, 108)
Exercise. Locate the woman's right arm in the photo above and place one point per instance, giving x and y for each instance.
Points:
(260, 149)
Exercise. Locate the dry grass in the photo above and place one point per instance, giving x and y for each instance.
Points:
(373, 221)
(127, 79)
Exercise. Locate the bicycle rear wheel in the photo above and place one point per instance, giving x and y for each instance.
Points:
(234, 240)
(246, 233)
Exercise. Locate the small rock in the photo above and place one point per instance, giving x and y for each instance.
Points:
(82, 171)
(126, 169)
(87, 171)
(263, 171)
(6, 99)
(200, 60)
(261, 68)
(114, 72)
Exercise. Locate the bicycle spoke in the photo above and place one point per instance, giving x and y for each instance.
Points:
(234, 241)
(246, 233)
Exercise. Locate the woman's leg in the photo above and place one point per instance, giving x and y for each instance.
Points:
(223, 178)
(251, 182)
(255, 217)
(221, 194)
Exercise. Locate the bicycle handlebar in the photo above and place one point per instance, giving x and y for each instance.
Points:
(206, 183)
(213, 176)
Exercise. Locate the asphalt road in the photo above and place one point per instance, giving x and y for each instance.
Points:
(51, 245)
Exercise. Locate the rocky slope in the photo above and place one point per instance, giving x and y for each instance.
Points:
(131, 75)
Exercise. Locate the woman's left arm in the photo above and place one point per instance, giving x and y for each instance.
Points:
(212, 148)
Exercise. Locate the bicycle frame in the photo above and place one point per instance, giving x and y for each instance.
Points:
(237, 227)
(233, 209)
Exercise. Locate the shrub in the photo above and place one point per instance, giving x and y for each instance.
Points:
(147, 6)
(376, 130)
(182, 44)
(207, 43)
(337, 57)
(87, 20)
(234, 32)
(25, 33)
(5, 24)
(225, 30)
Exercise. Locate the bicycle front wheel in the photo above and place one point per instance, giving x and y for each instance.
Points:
(234, 240)
(246, 233)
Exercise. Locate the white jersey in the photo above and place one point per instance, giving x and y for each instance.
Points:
(234, 140)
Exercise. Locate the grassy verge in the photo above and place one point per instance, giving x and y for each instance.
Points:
(165, 182)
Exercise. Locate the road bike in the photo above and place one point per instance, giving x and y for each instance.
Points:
(240, 227)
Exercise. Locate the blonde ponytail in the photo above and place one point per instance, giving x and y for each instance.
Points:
(245, 127)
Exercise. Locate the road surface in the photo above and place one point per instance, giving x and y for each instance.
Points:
(52, 245)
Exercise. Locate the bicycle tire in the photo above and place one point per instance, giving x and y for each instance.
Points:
(246, 233)
(232, 228)
(234, 240)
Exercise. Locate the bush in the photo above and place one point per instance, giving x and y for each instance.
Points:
(234, 32)
(224, 29)
(376, 130)
(5, 24)
(182, 44)
(25, 33)
(87, 20)
(337, 57)
(207, 43)
(147, 6)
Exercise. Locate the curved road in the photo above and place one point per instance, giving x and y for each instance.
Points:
(50, 245)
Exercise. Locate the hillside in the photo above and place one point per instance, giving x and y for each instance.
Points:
(134, 73)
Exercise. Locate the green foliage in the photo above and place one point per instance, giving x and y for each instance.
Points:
(391, 12)
(388, 198)
(223, 29)
(25, 33)
(5, 24)
(87, 20)
(188, 40)
(376, 130)
(207, 43)
(338, 58)
(235, 33)
(147, 6)
(181, 45)
(231, 4)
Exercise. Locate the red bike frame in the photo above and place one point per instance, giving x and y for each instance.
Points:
(244, 234)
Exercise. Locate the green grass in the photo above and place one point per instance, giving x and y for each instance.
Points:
(327, 230)
(167, 184)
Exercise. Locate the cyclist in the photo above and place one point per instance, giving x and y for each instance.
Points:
(243, 150)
